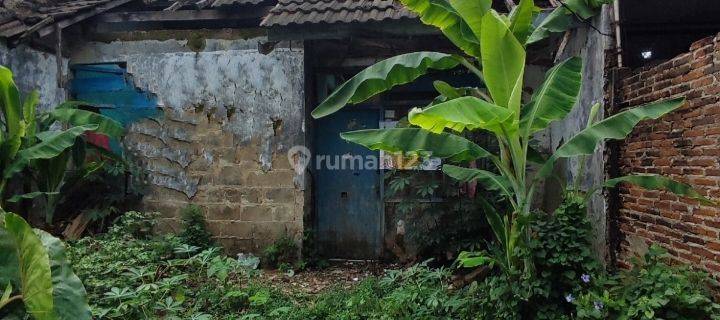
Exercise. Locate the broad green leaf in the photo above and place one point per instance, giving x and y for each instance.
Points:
(383, 76)
(10, 147)
(503, 61)
(29, 111)
(446, 90)
(69, 296)
(440, 14)
(656, 182)
(555, 98)
(31, 195)
(78, 117)
(459, 114)
(472, 13)
(521, 20)
(614, 127)
(474, 259)
(418, 141)
(10, 104)
(6, 294)
(49, 148)
(488, 179)
(34, 268)
(557, 21)
(495, 220)
(581, 8)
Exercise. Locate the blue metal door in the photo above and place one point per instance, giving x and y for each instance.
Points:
(347, 186)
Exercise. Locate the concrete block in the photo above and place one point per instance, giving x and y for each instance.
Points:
(257, 213)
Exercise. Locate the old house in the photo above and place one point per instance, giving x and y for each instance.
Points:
(216, 95)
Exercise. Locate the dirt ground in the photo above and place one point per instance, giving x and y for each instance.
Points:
(340, 273)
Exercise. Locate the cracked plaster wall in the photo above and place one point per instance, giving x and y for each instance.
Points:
(34, 69)
(230, 115)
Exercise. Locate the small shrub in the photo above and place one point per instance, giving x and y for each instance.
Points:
(284, 251)
(139, 225)
(652, 289)
(194, 230)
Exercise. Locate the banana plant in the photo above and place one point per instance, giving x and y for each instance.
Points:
(494, 47)
(28, 140)
(36, 275)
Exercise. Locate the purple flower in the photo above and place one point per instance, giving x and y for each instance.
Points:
(598, 305)
(585, 278)
(569, 298)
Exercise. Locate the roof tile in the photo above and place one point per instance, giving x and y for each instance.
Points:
(288, 12)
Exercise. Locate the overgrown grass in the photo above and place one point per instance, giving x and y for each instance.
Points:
(130, 274)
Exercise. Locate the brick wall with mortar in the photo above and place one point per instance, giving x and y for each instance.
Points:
(229, 116)
(684, 145)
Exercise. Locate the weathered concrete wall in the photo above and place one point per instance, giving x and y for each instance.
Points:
(683, 145)
(591, 46)
(34, 69)
(230, 115)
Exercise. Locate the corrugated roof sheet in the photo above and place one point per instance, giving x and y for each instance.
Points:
(20, 17)
(288, 12)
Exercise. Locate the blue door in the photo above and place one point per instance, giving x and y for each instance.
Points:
(347, 188)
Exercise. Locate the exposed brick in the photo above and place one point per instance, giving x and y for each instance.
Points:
(683, 145)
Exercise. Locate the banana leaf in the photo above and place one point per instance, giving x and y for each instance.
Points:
(381, 77)
(442, 15)
(488, 179)
(49, 148)
(615, 127)
(460, 114)
(32, 269)
(69, 295)
(503, 62)
(555, 98)
(31, 195)
(557, 21)
(418, 141)
(472, 13)
(78, 117)
(656, 182)
(29, 110)
(521, 20)
(10, 104)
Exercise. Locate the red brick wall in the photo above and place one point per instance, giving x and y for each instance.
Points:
(684, 145)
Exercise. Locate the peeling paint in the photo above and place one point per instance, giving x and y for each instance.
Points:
(35, 70)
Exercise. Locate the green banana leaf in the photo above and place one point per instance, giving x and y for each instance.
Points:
(555, 98)
(382, 76)
(29, 110)
(472, 13)
(446, 90)
(33, 268)
(10, 147)
(657, 182)
(488, 179)
(557, 21)
(49, 148)
(31, 195)
(521, 20)
(69, 295)
(474, 259)
(503, 61)
(462, 113)
(614, 127)
(78, 117)
(418, 141)
(10, 104)
(495, 220)
(442, 15)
